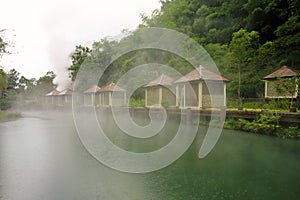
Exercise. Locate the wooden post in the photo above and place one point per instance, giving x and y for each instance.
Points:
(200, 95)
(146, 97)
(160, 96)
(93, 100)
(224, 94)
(124, 98)
(266, 89)
(184, 96)
(109, 99)
(100, 99)
(177, 96)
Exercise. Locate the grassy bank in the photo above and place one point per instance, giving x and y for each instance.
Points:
(7, 116)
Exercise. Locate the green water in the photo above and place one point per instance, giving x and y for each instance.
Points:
(42, 157)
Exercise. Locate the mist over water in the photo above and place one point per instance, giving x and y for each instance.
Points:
(42, 157)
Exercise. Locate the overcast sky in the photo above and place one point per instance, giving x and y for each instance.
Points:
(45, 32)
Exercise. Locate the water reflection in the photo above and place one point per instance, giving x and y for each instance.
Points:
(44, 159)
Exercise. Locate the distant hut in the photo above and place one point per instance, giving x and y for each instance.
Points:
(200, 80)
(109, 91)
(52, 97)
(160, 92)
(90, 98)
(65, 97)
(277, 78)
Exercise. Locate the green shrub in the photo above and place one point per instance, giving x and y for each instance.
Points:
(165, 104)
(277, 104)
(254, 105)
(267, 124)
(292, 132)
(264, 124)
(238, 124)
(136, 102)
(5, 116)
(232, 103)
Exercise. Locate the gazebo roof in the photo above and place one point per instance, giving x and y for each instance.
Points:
(53, 93)
(282, 72)
(112, 87)
(161, 80)
(201, 73)
(93, 89)
(65, 92)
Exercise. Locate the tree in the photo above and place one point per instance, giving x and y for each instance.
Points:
(5, 95)
(3, 75)
(78, 56)
(35, 88)
(246, 38)
(242, 49)
(3, 44)
(3, 82)
(288, 42)
(13, 77)
(45, 84)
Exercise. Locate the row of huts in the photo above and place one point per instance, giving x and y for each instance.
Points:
(200, 88)
(194, 90)
(94, 96)
(189, 91)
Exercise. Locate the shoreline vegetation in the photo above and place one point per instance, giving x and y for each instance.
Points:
(9, 116)
(265, 124)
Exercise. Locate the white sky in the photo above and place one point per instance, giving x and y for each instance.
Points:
(45, 32)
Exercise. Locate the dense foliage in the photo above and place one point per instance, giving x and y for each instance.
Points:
(246, 38)
(255, 37)
(266, 124)
(14, 87)
(3, 44)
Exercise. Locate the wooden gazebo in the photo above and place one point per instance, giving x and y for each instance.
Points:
(160, 92)
(52, 97)
(277, 78)
(65, 97)
(200, 80)
(90, 97)
(106, 93)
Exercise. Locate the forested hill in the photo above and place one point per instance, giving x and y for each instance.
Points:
(258, 36)
(253, 37)
(214, 21)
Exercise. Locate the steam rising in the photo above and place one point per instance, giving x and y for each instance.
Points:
(59, 50)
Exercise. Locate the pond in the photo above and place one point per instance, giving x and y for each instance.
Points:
(42, 157)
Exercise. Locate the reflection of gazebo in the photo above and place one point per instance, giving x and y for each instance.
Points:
(106, 93)
(65, 97)
(205, 84)
(52, 97)
(275, 79)
(90, 98)
(158, 93)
